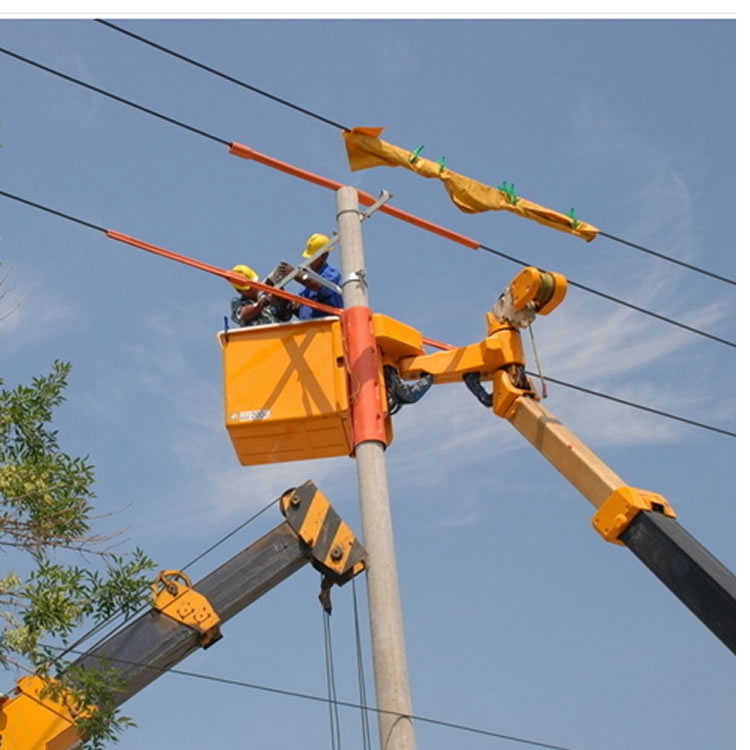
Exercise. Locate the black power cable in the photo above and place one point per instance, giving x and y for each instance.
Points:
(180, 124)
(309, 113)
(109, 95)
(218, 73)
(94, 226)
(622, 302)
(633, 405)
(345, 704)
(669, 259)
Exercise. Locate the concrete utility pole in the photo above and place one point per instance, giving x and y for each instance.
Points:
(386, 622)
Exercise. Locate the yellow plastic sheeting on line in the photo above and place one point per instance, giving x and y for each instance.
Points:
(365, 149)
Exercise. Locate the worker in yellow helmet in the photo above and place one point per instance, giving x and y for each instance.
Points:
(252, 308)
(314, 290)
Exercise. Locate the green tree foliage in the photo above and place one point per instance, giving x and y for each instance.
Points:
(45, 519)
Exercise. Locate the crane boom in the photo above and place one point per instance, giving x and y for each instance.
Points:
(641, 520)
(186, 617)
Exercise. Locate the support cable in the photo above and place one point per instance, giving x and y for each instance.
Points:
(333, 710)
(228, 536)
(364, 716)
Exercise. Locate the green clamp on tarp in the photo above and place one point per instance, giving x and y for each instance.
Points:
(510, 192)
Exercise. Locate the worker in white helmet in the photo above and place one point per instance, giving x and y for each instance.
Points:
(313, 289)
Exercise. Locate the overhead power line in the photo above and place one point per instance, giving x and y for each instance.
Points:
(669, 259)
(230, 276)
(110, 95)
(622, 302)
(321, 699)
(218, 73)
(634, 405)
(310, 113)
(244, 151)
(203, 266)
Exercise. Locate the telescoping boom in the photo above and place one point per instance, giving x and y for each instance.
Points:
(307, 375)
(185, 617)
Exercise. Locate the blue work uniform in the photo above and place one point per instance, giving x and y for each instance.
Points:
(324, 295)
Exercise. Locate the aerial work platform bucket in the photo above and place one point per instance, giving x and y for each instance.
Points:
(285, 391)
(287, 387)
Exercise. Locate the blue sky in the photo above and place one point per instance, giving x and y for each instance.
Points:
(519, 619)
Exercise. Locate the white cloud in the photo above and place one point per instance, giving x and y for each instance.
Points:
(668, 212)
(39, 314)
(469, 518)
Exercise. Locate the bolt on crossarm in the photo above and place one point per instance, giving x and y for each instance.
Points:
(641, 520)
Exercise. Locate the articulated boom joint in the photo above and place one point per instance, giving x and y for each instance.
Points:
(508, 385)
(498, 357)
(502, 348)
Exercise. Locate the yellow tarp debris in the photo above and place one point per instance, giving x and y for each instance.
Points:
(365, 149)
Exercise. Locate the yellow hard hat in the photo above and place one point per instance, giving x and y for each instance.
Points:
(247, 272)
(314, 243)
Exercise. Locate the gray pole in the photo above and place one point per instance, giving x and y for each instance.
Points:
(386, 622)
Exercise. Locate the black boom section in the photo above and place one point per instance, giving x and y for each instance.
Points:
(702, 583)
(155, 642)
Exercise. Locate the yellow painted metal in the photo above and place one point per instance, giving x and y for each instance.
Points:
(338, 556)
(501, 347)
(622, 506)
(30, 722)
(560, 289)
(525, 287)
(285, 391)
(544, 290)
(594, 479)
(396, 339)
(173, 595)
(315, 517)
(333, 545)
(505, 395)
